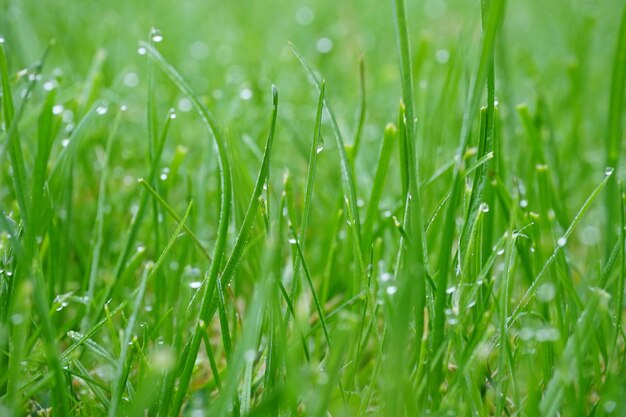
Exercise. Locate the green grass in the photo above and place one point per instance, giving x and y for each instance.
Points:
(321, 208)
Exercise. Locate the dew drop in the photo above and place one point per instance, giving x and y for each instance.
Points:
(184, 105)
(172, 114)
(245, 94)
(392, 290)
(386, 277)
(65, 142)
(195, 284)
(609, 171)
(142, 51)
(57, 109)
(324, 45)
(199, 50)
(305, 16)
(123, 107)
(526, 333)
(49, 85)
(549, 334)
(131, 79)
(546, 292)
(562, 241)
(442, 56)
(610, 406)
(155, 35)
(102, 110)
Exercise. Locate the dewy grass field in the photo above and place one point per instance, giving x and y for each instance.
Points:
(312, 208)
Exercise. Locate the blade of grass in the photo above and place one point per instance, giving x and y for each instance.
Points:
(307, 274)
(614, 130)
(495, 15)
(222, 233)
(382, 166)
(98, 234)
(530, 292)
(349, 189)
(150, 270)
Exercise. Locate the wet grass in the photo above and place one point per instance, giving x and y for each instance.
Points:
(401, 208)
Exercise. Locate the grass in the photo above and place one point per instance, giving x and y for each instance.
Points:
(317, 208)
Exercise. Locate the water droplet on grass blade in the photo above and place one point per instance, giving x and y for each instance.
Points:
(155, 35)
(609, 171)
(195, 284)
(142, 51)
(386, 277)
(392, 290)
(50, 85)
(562, 241)
(546, 292)
(320, 146)
(102, 110)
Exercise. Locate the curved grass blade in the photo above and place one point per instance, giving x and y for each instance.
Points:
(360, 112)
(614, 130)
(175, 216)
(320, 310)
(349, 189)
(138, 219)
(120, 375)
(382, 166)
(222, 232)
(98, 235)
(495, 15)
(539, 279)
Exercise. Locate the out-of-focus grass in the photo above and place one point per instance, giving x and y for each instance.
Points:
(187, 226)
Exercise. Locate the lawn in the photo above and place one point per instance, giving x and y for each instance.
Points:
(312, 208)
